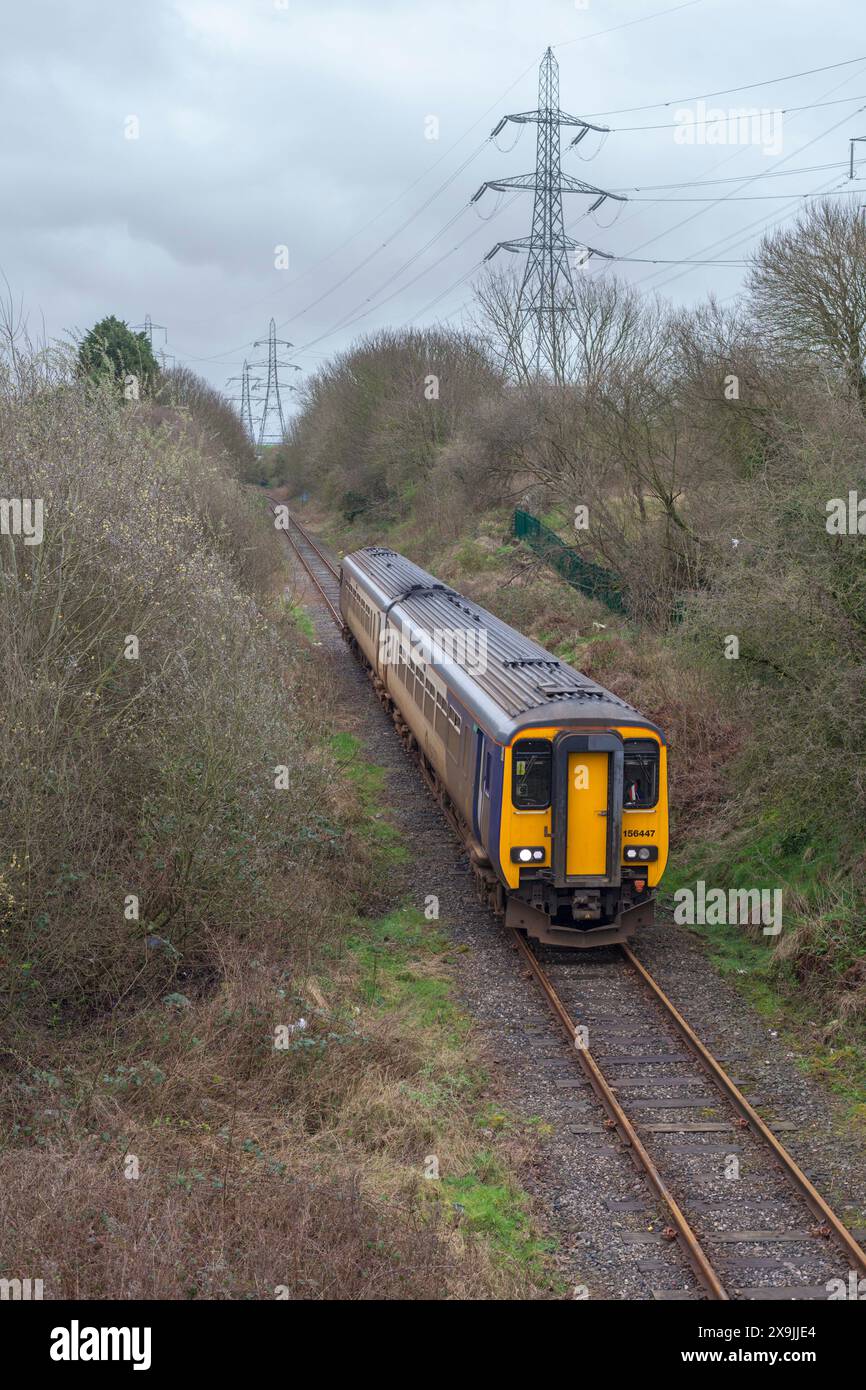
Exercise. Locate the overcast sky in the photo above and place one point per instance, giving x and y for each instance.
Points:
(305, 124)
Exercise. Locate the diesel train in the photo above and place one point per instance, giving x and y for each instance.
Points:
(558, 787)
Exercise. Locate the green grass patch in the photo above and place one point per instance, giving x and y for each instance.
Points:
(488, 1203)
(397, 955)
(402, 969)
(799, 997)
(302, 620)
(375, 825)
(472, 558)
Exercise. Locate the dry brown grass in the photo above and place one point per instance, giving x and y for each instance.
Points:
(256, 1167)
(93, 1236)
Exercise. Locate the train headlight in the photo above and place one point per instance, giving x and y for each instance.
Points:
(634, 853)
(528, 854)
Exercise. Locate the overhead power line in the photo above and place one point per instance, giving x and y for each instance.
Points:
(728, 91)
(353, 317)
(731, 116)
(735, 178)
(645, 260)
(753, 197)
(745, 234)
(746, 180)
(628, 23)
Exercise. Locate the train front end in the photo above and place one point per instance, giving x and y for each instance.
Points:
(584, 832)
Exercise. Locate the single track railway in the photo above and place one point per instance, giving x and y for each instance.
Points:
(614, 1003)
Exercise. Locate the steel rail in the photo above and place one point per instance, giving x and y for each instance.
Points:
(691, 1246)
(313, 546)
(332, 607)
(810, 1194)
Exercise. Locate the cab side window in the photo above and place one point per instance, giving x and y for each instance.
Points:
(640, 773)
(530, 774)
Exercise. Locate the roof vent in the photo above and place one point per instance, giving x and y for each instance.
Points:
(573, 692)
(545, 661)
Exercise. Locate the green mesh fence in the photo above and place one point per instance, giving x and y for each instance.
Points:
(581, 574)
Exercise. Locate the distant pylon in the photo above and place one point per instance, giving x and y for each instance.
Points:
(246, 405)
(546, 302)
(247, 383)
(273, 405)
(147, 329)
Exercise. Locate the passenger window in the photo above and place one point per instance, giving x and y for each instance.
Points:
(530, 774)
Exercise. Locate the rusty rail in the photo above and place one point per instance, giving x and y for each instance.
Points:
(689, 1243)
(810, 1194)
(332, 570)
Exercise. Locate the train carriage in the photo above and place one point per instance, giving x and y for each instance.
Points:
(558, 787)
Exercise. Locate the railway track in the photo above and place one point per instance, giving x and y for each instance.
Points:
(746, 1222)
(749, 1222)
(323, 573)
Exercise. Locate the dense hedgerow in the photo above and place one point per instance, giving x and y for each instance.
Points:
(156, 1142)
(150, 777)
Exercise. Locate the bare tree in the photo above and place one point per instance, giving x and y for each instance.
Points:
(609, 328)
(496, 320)
(615, 329)
(374, 420)
(808, 287)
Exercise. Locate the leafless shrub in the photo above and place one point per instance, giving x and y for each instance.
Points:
(88, 1234)
(151, 776)
(217, 425)
(150, 1035)
(374, 420)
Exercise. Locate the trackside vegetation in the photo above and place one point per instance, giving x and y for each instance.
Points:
(225, 1053)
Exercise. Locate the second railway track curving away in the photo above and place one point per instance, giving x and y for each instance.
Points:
(647, 1067)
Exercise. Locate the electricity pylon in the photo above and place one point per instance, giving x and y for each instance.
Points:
(247, 383)
(546, 302)
(272, 400)
(147, 329)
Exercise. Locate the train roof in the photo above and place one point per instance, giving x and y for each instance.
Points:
(518, 684)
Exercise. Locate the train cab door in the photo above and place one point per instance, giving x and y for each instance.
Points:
(587, 809)
(586, 819)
